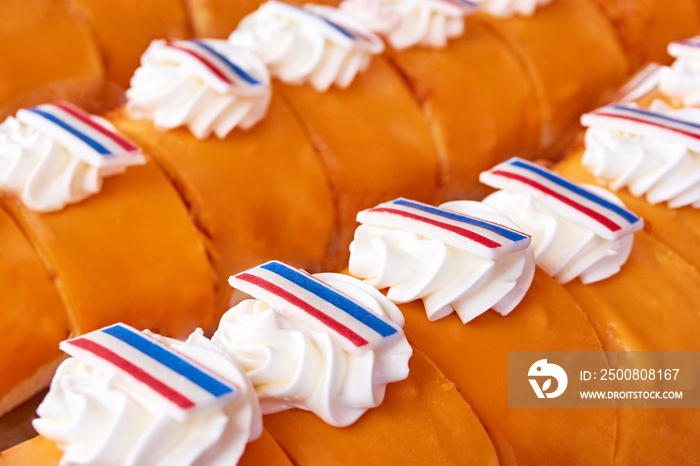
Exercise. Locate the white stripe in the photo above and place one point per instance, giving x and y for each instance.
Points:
(594, 119)
(679, 49)
(560, 207)
(373, 338)
(203, 399)
(119, 156)
(641, 84)
(441, 234)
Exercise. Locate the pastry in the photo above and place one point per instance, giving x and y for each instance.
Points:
(123, 29)
(225, 173)
(302, 350)
(104, 242)
(32, 306)
(46, 31)
(328, 76)
(538, 315)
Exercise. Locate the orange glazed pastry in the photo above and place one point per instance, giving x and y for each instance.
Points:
(329, 344)
(464, 258)
(157, 400)
(30, 306)
(345, 109)
(257, 192)
(479, 119)
(124, 28)
(625, 289)
(570, 64)
(111, 246)
(42, 41)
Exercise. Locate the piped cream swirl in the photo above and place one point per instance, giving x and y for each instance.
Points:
(663, 171)
(681, 80)
(42, 172)
(507, 8)
(446, 278)
(318, 45)
(95, 421)
(564, 248)
(292, 366)
(209, 86)
(407, 23)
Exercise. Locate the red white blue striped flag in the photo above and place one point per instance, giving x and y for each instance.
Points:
(179, 385)
(571, 200)
(90, 138)
(631, 119)
(319, 305)
(480, 237)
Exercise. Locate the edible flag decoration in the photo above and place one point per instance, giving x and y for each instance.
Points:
(480, 237)
(179, 385)
(635, 120)
(641, 84)
(688, 47)
(366, 40)
(220, 72)
(571, 200)
(467, 5)
(319, 305)
(90, 138)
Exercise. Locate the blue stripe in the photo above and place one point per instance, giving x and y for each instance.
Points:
(505, 232)
(168, 359)
(246, 77)
(655, 115)
(327, 294)
(88, 140)
(626, 214)
(335, 26)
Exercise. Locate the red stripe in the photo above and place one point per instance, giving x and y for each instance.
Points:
(489, 243)
(123, 143)
(660, 125)
(212, 67)
(600, 218)
(133, 370)
(327, 320)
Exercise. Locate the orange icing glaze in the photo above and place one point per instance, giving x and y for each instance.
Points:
(257, 195)
(487, 115)
(369, 158)
(42, 41)
(124, 28)
(114, 252)
(571, 66)
(475, 357)
(33, 317)
(423, 420)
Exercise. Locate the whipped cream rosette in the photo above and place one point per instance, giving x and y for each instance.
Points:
(507, 8)
(56, 154)
(463, 256)
(682, 79)
(407, 23)
(314, 44)
(325, 343)
(577, 230)
(135, 398)
(654, 153)
(207, 85)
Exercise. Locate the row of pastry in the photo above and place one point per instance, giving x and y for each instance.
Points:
(226, 166)
(563, 266)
